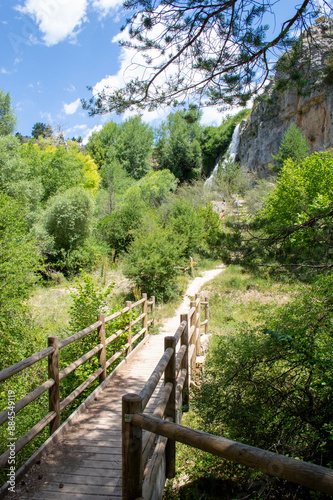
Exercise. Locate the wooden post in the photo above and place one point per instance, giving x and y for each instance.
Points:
(102, 352)
(207, 315)
(145, 312)
(54, 391)
(170, 410)
(131, 448)
(129, 336)
(185, 363)
(198, 320)
(153, 309)
(193, 361)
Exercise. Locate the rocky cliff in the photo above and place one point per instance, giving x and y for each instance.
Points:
(301, 93)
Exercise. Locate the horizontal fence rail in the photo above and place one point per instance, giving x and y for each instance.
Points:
(306, 474)
(163, 429)
(56, 376)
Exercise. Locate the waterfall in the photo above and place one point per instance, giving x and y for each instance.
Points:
(231, 155)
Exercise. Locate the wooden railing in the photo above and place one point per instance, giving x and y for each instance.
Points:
(177, 365)
(55, 376)
(164, 423)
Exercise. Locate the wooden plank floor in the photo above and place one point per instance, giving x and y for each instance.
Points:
(86, 463)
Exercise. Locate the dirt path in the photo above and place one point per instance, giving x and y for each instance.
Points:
(170, 325)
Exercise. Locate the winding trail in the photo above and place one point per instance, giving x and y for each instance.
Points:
(169, 325)
(83, 462)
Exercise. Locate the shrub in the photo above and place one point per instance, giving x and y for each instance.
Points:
(152, 257)
(68, 218)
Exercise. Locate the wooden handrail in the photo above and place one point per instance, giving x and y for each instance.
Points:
(25, 363)
(176, 369)
(82, 333)
(306, 474)
(55, 376)
(155, 377)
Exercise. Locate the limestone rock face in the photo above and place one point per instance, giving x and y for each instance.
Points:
(306, 101)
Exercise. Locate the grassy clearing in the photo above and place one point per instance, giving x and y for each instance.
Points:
(237, 300)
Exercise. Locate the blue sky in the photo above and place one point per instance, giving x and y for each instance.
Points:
(52, 49)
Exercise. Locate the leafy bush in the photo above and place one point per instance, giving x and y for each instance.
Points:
(188, 224)
(152, 257)
(68, 218)
(272, 386)
(117, 229)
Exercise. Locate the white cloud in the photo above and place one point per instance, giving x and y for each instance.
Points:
(56, 19)
(72, 107)
(71, 88)
(4, 71)
(47, 117)
(105, 6)
(59, 20)
(133, 65)
(90, 131)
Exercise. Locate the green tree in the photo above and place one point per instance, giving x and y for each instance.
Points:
(16, 178)
(59, 168)
(187, 222)
(156, 186)
(41, 130)
(118, 228)
(178, 148)
(19, 264)
(134, 147)
(129, 143)
(190, 57)
(152, 257)
(7, 116)
(293, 145)
(68, 218)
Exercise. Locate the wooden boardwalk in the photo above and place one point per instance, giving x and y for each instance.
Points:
(86, 462)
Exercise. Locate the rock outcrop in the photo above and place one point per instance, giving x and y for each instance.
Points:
(301, 93)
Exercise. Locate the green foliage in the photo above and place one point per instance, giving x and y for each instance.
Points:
(156, 186)
(178, 148)
(152, 257)
(59, 168)
(68, 218)
(41, 130)
(188, 224)
(288, 360)
(15, 175)
(231, 179)
(117, 228)
(213, 230)
(293, 145)
(19, 263)
(87, 302)
(128, 143)
(7, 117)
(302, 189)
(134, 146)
